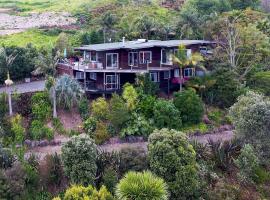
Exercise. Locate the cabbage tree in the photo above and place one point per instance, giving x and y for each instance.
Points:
(68, 91)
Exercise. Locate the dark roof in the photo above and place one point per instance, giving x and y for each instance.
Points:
(140, 44)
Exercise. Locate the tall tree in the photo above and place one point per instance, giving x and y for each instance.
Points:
(47, 65)
(182, 59)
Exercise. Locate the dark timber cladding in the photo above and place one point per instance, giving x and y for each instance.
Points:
(105, 68)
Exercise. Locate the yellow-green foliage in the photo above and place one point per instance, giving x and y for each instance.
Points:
(100, 108)
(101, 133)
(17, 128)
(78, 192)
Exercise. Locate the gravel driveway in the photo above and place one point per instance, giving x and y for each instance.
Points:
(25, 87)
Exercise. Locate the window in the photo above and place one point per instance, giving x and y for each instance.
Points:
(167, 74)
(189, 52)
(145, 56)
(93, 56)
(86, 55)
(112, 82)
(166, 56)
(93, 76)
(79, 75)
(112, 60)
(176, 72)
(133, 58)
(154, 76)
(188, 72)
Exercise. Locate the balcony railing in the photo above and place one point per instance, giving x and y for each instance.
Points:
(82, 65)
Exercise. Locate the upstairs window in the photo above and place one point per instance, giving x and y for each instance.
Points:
(112, 60)
(188, 52)
(176, 73)
(93, 56)
(133, 58)
(145, 56)
(166, 56)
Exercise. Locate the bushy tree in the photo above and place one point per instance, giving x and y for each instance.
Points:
(190, 106)
(119, 113)
(17, 128)
(41, 107)
(260, 81)
(142, 186)
(247, 162)
(225, 90)
(145, 105)
(145, 86)
(100, 108)
(251, 117)
(130, 95)
(174, 159)
(166, 115)
(79, 159)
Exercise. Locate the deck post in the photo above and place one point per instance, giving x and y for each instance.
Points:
(84, 80)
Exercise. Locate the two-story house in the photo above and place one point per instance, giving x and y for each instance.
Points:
(105, 68)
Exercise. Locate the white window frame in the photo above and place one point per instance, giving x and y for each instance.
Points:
(79, 75)
(87, 55)
(117, 61)
(189, 69)
(143, 60)
(132, 54)
(188, 52)
(170, 59)
(176, 73)
(93, 76)
(156, 77)
(96, 57)
(116, 83)
(168, 74)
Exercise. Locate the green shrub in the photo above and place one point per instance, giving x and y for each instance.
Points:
(101, 133)
(41, 106)
(100, 108)
(132, 159)
(83, 107)
(142, 186)
(201, 127)
(216, 116)
(130, 95)
(138, 125)
(51, 171)
(79, 158)
(190, 106)
(17, 128)
(78, 192)
(251, 118)
(247, 162)
(73, 132)
(261, 175)
(174, 159)
(89, 126)
(119, 113)
(145, 85)
(166, 115)
(23, 104)
(145, 105)
(261, 82)
(6, 158)
(110, 179)
(39, 131)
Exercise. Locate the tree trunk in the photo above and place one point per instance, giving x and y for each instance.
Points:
(54, 104)
(181, 79)
(10, 103)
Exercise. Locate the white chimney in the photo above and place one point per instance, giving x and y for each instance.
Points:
(123, 41)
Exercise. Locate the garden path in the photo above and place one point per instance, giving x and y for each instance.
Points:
(41, 152)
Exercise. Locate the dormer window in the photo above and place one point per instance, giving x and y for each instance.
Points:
(145, 57)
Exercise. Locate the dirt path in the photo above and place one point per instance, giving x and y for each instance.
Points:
(41, 152)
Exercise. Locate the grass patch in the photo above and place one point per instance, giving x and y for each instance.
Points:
(38, 38)
(201, 127)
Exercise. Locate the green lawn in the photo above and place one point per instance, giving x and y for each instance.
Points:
(25, 6)
(38, 38)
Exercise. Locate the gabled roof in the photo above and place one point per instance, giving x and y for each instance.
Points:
(141, 44)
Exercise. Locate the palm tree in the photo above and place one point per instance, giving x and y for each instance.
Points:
(183, 60)
(8, 61)
(47, 65)
(68, 91)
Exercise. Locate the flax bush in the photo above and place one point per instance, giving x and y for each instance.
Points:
(142, 186)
